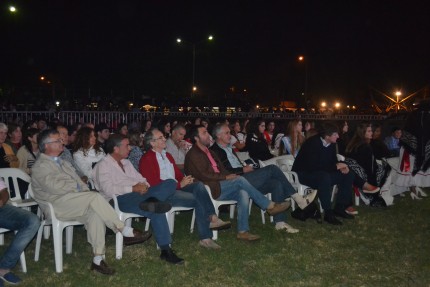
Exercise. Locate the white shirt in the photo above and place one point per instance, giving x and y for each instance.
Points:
(109, 178)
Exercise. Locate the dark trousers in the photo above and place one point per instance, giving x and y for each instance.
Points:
(324, 181)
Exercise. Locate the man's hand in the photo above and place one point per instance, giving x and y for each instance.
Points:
(186, 181)
(231, 176)
(140, 187)
(248, 168)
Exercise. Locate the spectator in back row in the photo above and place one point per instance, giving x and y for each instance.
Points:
(86, 151)
(28, 153)
(14, 137)
(136, 151)
(102, 131)
(177, 146)
(256, 144)
(393, 141)
(7, 156)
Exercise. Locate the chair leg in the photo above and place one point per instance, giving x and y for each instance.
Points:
(356, 196)
(69, 239)
(39, 240)
(119, 245)
(215, 232)
(23, 262)
(2, 239)
(232, 207)
(170, 216)
(57, 233)
(148, 221)
(193, 220)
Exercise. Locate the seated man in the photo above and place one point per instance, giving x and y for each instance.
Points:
(393, 141)
(157, 165)
(205, 166)
(25, 223)
(116, 176)
(269, 179)
(317, 166)
(55, 181)
(177, 146)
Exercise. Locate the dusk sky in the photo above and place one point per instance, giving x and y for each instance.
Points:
(349, 46)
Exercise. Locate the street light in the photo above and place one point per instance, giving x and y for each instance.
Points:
(179, 41)
(12, 9)
(302, 58)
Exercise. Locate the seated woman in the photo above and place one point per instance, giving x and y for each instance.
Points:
(256, 143)
(86, 151)
(370, 174)
(293, 139)
(413, 169)
(344, 138)
(7, 156)
(136, 151)
(380, 149)
(28, 153)
(14, 137)
(235, 141)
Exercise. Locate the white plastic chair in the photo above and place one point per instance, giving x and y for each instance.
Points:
(170, 216)
(263, 212)
(242, 155)
(217, 204)
(15, 174)
(22, 256)
(57, 232)
(126, 218)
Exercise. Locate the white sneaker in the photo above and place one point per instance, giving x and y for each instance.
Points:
(284, 226)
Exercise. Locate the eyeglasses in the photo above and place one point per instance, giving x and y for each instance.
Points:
(160, 138)
(56, 141)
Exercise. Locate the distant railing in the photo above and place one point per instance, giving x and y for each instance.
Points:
(112, 118)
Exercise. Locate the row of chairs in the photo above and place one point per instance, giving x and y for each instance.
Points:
(11, 177)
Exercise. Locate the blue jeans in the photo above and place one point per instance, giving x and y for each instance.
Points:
(195, 195)
(26, 223)
(270, 179)
(324, 181)
(130, 203)
(241, 190)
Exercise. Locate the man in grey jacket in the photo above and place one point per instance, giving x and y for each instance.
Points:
(55, 181)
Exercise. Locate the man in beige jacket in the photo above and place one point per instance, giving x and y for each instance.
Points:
(55, 181)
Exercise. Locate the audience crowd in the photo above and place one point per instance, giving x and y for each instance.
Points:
(152, 166)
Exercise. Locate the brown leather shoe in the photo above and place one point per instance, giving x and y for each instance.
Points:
(279, 207)
(102, 268)
(220, 225)
(139, 237)
(246, 236)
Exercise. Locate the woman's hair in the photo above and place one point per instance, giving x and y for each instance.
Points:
(11, 127)
(83, 141)
(253, 128)
(296, 138)
(232, 125)
(28, 133)
(134, 138)
(120, 126)
(358, 139)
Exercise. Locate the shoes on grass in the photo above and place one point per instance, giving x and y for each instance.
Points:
(285, 226)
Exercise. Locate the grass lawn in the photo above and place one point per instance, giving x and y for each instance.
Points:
(380, 247)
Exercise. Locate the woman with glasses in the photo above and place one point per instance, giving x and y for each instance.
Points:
(86, 150)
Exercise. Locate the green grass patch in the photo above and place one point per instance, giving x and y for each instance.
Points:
(380, 247)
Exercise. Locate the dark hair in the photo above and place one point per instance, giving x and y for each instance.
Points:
(328, 129)
(83, 141)
(253, 128)
(11, 127)
(113, 141)
(120, 126)
(395, 129)
(43, 137)
(28, 134)
(194, 132)
(358, 138)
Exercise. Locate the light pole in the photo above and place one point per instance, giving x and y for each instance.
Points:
(179, 41)
(304, 60)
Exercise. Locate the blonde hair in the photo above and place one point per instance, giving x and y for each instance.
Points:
(297, 138)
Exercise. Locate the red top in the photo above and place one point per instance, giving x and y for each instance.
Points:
(149, 169)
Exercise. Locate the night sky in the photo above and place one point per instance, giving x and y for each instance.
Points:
(350, 47)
